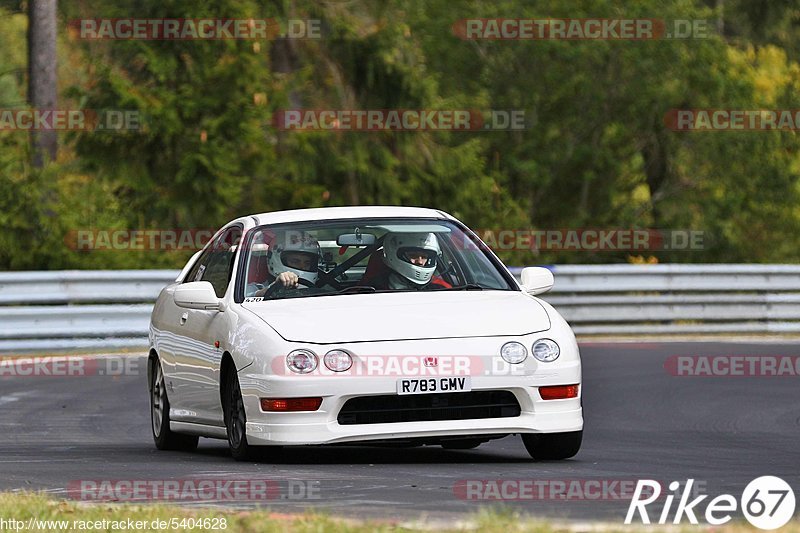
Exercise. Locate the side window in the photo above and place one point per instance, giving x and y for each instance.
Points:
(216, 263)
(196, 272)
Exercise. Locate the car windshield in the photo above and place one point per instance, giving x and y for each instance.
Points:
(325, 258)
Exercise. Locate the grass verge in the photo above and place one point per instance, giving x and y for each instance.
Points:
(27, 511)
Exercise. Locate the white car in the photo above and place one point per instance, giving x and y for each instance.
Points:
(355, 324)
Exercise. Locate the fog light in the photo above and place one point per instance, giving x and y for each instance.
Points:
(546, 350)
(558, 392)
(290, 404)
(513, 352)
(338, 360)
(302, 361)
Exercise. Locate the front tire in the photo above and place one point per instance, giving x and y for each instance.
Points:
(553, 446)
(164, 437)
(236, 420)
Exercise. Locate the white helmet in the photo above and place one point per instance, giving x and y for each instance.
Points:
(397, 247)
(294, 251)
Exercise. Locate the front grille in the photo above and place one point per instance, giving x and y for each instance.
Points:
(428, 407)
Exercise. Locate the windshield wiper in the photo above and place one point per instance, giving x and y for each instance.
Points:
(357, 289)
(467, 287)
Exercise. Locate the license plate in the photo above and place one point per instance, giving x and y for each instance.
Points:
(429, 385)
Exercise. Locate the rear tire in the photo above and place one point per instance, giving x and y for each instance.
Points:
(164, 437)
(553, 446)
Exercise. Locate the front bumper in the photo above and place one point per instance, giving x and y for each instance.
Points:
(322, 427)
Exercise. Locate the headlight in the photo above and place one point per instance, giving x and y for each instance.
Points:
(546, 350)
(513, 352)
(338, 360)
(302, 361)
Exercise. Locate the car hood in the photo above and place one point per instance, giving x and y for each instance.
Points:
(403, 316)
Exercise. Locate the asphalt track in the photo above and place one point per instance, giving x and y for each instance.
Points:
(641, 422)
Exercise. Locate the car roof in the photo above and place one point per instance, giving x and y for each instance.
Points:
(327, 213)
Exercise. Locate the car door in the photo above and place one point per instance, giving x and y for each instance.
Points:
(197, 358)
(168, 321)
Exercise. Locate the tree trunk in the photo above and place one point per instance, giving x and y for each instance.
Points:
(42, 93)
(656, 168)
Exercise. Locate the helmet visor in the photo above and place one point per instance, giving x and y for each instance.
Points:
(417, 256)
(305, 261)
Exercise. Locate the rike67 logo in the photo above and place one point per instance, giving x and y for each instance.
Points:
(767, 503)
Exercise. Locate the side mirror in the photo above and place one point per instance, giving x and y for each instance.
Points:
(196, 295)
(537, 280)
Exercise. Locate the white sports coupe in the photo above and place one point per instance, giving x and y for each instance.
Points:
(389, 325)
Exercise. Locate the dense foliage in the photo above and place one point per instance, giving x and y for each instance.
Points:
(595, 154)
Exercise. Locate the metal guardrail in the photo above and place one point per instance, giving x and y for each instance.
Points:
(677, 299)
(44, 311)
(83, 286)
(77, 309)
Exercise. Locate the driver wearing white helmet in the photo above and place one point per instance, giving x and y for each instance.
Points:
(412, 260)
(294, 255)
